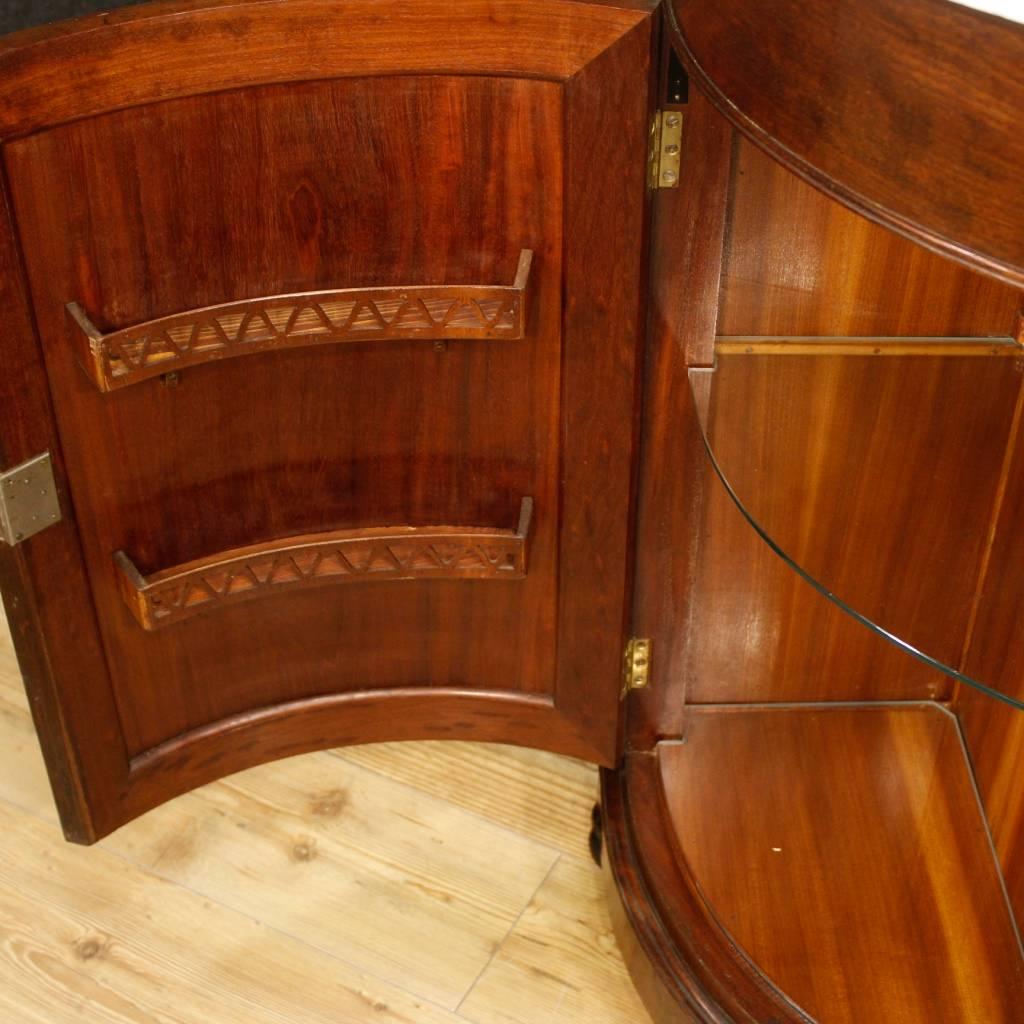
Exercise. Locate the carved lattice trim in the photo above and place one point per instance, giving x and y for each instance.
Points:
(139, 353)
(343, 556)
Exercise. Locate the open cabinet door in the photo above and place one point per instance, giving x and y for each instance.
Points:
(328, 316)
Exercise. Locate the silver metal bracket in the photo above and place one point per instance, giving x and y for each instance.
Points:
(28, 500)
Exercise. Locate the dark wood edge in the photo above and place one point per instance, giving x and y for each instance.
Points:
(376, 554)
(134, 57)
(50, 31)
(688, 233)
(49, 602)
(63, 768)
(686, 967)
(321, 723)
(427, 312)
(599, 425)
(639, 931)
(856, 201)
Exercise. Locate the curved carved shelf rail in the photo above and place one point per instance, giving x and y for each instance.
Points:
(341, 556)
(135, 354)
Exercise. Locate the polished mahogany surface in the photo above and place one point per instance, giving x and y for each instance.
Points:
(894, 477)
(16, 15)
(796, 262)
(687, 237)
(687, 968)
(267, 180)
(844, 849)
(277, 445)
(995, 653)
(908, 110)
(405, 191)
(843, 472)
(134, 55)
(837, 455)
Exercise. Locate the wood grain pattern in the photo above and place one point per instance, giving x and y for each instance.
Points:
(548, 799)
(97, 933)
(118, 933)
(561, 962)
(764, 345)
(46, 591)
(688, 225)
(319, 827)
(133, 354)
(342, 556)
(604, 298)
(771, 844)
(686, 966)
(906, 110)
(842, 471)
(133, 57)
(797, 262)
(309, 441)
(993, 653)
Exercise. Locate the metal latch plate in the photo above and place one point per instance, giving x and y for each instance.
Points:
(636, 665)
(666, 138)
(28, 500)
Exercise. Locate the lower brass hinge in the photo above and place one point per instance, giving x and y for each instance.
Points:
(28, 500)
(663, 154)
(636, 665)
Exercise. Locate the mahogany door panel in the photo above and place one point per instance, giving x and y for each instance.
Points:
(344, 377)
(367, 433)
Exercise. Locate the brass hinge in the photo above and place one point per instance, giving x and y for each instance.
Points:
(636, 665)
(28, 500)
(666, 140)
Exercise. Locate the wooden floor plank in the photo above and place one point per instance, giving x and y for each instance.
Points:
(395, 882)
(293, 891)
(86, 937)
(561, 963)
(23, 780)
(539, 795)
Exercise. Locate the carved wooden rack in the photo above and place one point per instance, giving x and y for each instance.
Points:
(148, 350)
(341, 556)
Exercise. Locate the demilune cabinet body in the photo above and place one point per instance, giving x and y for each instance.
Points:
(641, 383)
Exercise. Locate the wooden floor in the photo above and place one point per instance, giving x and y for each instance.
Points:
(398, 884)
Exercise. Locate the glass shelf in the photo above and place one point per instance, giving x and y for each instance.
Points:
(893, 526)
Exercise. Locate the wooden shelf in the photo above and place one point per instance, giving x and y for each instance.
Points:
(396, 553)
(134, 354)
(843, 857)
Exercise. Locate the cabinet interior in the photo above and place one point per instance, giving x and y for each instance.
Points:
(387, 399)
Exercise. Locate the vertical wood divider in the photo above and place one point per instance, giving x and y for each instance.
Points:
(689, 226)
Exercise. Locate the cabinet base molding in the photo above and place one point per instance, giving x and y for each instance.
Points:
(685, 966)
(766, 866)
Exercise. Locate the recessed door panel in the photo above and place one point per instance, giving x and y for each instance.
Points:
(344, 378)
(379, 182)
